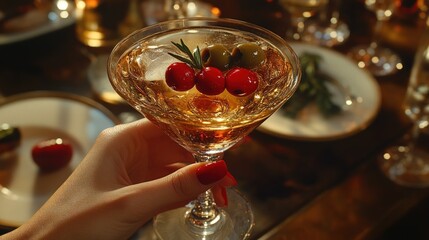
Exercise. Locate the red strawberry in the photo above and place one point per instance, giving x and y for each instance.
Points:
(52, 154)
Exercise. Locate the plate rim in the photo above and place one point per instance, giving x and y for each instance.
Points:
(48, 27)
(364, 125)
(54, 95)
(61, 95)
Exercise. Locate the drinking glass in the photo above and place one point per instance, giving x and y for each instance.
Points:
(408, 164)
(299, 11)
(327, 30)
(176, 8)
(100, 24)
(156, 11)
(380, 61)
(185, 8)
(203, 123)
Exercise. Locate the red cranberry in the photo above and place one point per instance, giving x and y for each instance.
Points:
(210, 81)
(241, 81)
(180, 76)
(52, 154)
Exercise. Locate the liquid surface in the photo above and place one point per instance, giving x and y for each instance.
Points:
(195, 120)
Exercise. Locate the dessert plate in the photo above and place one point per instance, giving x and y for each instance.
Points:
(41, 116)
(61, 16)
(311, 125)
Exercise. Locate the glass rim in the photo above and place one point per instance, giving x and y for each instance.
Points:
(183, 23)
(127, 43)
(187, 22)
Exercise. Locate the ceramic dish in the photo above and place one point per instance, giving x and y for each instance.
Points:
(311, 125)
(42, 116)
(39, 22)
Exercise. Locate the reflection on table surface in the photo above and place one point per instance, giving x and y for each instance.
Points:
(299, 189)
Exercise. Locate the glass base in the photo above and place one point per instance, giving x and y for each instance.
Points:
(379, 61)
(326, 34)
(404, 167)
(236, 222)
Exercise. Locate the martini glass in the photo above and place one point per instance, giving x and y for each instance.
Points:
(300, 11)
(327, 30)
(408, 163)
(188, 8)
(380, 61)
(204, 124)
(155, 11)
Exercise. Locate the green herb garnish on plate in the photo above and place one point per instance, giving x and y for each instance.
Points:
(312, 89)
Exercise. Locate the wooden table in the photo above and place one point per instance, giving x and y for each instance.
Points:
(298, 189)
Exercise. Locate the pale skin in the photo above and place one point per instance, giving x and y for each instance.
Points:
(132, 172)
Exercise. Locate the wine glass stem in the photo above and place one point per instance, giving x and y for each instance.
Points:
(324, 15)
(376, 35)
(297, 27)
(204, 214)
(178, 8)
(414, 136)
(335, 15)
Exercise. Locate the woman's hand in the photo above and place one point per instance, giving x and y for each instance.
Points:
(132, 172)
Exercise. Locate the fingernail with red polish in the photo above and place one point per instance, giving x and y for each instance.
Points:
(212, 172)
(232, 179)
(224, 196)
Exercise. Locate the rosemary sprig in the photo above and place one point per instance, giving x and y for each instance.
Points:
(194, 59)
(311, 89)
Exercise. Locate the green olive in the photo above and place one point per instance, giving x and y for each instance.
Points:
(248, 55)
(10, 138)
(216, 56)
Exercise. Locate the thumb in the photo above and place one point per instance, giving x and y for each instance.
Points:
(181, 186)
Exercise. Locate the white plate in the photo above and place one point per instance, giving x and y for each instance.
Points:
(42, 116)
(53, 23)
(315, 127)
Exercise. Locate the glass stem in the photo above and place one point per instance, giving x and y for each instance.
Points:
(335, 15)
(324, 15)
(298, 27)
(205, 214)
(376, 34)
(414, 136)
(178, 8)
